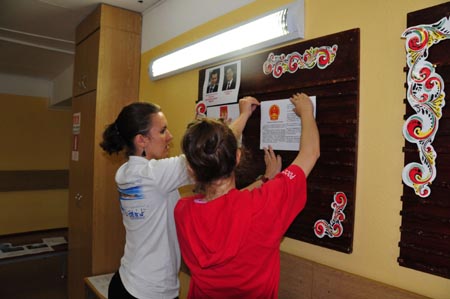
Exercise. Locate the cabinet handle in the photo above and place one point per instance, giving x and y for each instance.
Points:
(78, 198)
(83, 82)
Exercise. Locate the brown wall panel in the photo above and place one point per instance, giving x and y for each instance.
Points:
(336, 88)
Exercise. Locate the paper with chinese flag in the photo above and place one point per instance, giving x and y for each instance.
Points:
(280, 126)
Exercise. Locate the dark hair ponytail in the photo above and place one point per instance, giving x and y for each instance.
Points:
(132, 120)
(210, 148)
(112, 141)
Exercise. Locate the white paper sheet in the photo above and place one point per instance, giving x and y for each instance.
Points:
(101, 283)
(54, 241)
(8, 250)
(280, 126)
(224, 93)
(226, 112)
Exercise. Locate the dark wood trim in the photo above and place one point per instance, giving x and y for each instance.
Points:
(25, 180)
(33, 236)
(425, 230)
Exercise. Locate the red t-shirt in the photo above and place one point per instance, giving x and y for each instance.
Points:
(231, 244)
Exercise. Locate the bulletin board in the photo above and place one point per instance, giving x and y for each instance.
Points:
(425, 227)
(328, 68)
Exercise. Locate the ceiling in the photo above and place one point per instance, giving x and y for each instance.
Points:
(37, 36)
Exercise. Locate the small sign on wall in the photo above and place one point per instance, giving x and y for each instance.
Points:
(76, 124)
(76, 121)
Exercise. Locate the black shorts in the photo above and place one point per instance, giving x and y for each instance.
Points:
(116, 289)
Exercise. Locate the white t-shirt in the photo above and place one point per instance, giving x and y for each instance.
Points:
(148, 192)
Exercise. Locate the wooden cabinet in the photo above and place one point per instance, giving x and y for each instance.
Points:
(85, 72)
(106, 78)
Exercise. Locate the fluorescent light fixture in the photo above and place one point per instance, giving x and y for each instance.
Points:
(273, 28)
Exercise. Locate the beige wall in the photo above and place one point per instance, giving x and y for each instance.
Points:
(380, 158)
(33, 138)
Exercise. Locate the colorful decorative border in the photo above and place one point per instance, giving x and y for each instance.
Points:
(321, 57)
(334, 229)
(426, 96)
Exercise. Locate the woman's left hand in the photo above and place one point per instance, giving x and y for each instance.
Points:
(273, 163)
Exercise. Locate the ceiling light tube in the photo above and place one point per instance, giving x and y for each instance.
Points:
(282, 25)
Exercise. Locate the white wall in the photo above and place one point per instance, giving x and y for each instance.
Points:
(62, 88)
(174, 17)
(58, 92)
(26, 86)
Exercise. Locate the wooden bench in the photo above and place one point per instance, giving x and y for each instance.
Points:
(300, 278)
(305, 279)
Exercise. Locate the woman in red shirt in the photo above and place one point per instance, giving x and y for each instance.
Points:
(229, 238)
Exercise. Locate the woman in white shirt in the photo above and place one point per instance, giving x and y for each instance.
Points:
(148, 190)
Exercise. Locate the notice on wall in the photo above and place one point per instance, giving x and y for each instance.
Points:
(280, 126)
(226, 112)
(221, 85)
(76, 122)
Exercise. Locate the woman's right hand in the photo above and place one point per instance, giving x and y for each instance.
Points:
(247, 105)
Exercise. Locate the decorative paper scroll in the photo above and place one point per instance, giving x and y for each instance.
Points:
(279, 64)
(334, 228)
(426, 96)
(200, 110)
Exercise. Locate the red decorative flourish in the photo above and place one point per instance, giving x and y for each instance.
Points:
(334, 228)
(427, 97)
(321, 57)
(200, 110)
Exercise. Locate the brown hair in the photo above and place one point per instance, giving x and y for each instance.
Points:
(210, 148)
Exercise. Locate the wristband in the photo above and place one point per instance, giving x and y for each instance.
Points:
(263, 178)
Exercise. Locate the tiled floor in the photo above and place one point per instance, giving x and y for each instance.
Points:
(34, 279)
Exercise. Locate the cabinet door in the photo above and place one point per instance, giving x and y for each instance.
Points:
(86, 65)
(81, 194)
